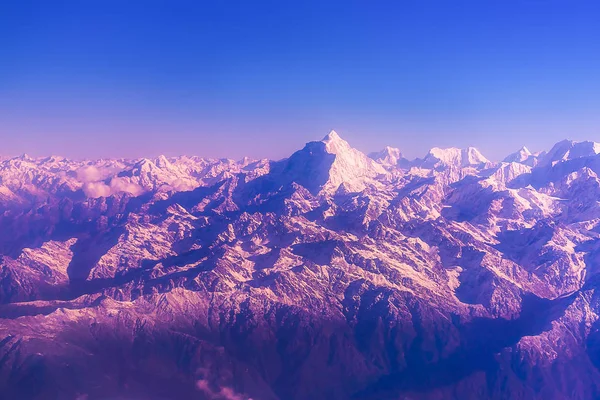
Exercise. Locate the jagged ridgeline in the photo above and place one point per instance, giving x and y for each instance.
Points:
(326, 275)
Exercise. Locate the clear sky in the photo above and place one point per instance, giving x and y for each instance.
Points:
(128, 78)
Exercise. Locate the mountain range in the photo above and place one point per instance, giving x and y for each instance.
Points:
(330, 274)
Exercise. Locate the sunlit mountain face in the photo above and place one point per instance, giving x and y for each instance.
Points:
(326, 275)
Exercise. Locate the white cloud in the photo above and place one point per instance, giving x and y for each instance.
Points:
(222, 393)
(116, 185)
(96, 189)
(125, 185)
(89, 173)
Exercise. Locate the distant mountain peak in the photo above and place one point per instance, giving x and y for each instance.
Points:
(162, 162)
(569, 149)
(388, 156)
(525, 150)
(453, 156)
(25, 157)
(523, 156)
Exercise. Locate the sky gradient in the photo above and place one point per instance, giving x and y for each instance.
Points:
(105, 78)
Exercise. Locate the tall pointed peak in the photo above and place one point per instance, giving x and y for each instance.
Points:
(523, 156)
(334, 144)
(525, 150)
(324, 165)
(162, 162)
(25, 157)
(332, 136)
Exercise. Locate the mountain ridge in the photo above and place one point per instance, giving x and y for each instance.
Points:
(326, 274)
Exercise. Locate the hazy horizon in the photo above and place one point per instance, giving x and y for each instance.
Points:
(298, 148)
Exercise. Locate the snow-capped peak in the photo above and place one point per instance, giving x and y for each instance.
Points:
(332, 135)
(569, 149)
(162, 162)
(523, 156)
(325, 165)
(334, 144)
(453, 156)
(387, 156)
(350, 166)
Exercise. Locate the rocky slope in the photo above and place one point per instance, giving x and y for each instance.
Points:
(326, 275)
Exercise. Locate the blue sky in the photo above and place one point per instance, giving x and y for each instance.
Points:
(104, 78)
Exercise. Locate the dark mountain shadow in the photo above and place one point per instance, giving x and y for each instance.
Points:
(413, 185)
(88, 251)
(64, 219)
(16, 310)
(318, 252)
(473, 283)
(466, 209)
(516, 245)
(542, 176)
(591, 258)
(349, 221)
(483, 339)
(592, 344)
(317, 213)
(185, 277)
(141, 275)
(267, 260)
(520, 181)
(308, 168)
(180, 260)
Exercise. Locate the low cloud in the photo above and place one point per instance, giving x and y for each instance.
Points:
(183, 185)
(92, 173)
(116, 185)
(96, 189)
(125, 185)
(219, 393)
